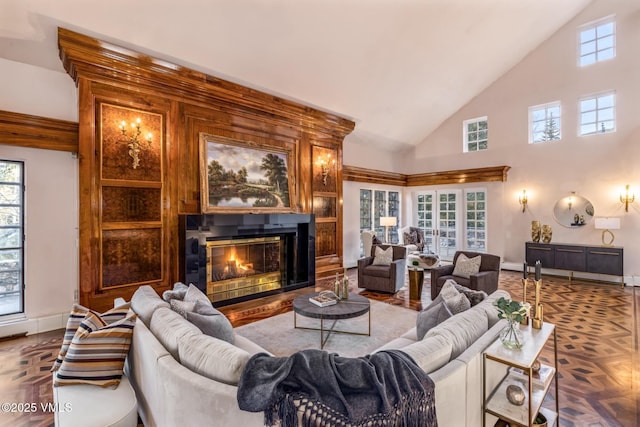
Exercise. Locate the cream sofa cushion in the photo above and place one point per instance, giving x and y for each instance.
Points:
(145, 301)
(213, 358)
(462, 329)
(431, 353)
(169, 327)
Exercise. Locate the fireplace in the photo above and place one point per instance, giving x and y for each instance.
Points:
(236, 257)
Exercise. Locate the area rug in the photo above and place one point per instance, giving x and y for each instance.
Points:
(278, 336)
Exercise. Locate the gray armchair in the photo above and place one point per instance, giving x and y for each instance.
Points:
(485, 280)
(385, 278)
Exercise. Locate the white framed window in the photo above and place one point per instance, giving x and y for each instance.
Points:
(597, 41)
(476, 220)
(597, 114)
(11, 238)
(545, 122)
(476, 134)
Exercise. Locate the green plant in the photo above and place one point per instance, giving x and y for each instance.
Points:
(511, 310)
(416, 263)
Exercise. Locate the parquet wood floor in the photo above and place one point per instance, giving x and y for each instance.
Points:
(599, 357)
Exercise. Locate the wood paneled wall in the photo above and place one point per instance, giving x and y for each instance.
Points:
(374, 176)
(128, 221)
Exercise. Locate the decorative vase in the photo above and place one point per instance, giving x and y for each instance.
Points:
(535, 231)
(546, 233)
(511, 336)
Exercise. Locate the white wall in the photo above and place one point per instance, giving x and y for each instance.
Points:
(51, 178)
(596, 167)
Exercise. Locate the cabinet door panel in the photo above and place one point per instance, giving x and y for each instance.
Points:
(542, 252)
(572, 258)
(605, 261)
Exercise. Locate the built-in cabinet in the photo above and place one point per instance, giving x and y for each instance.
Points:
(577, 258)
(129, 208)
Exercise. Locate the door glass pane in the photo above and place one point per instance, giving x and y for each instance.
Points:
(476, 213)
(11, 241)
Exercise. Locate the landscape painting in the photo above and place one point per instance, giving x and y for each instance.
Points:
(243, 177)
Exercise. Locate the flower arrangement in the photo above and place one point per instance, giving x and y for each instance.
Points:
(513, 311)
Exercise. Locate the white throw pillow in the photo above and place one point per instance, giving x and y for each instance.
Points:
(466, 266)
(383, 257)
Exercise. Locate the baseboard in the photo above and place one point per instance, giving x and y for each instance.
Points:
(628, 280)
(34, 326)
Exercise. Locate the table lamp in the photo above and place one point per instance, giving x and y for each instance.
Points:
(607, 224)
(386, 222)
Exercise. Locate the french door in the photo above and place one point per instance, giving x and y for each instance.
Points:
(441, 215)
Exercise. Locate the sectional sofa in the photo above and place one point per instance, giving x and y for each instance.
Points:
(182, 377)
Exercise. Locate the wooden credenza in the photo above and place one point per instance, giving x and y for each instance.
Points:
(577, 258)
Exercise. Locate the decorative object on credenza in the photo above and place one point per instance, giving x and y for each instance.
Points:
(513, 311)
(606, 225)
(523, 200)
(536, 231)
(228, 182)
(515, 394)
(535, 367)
(133, 139)
(546, 233)
(525, 280)
(627, 198)
(386, 222)
(538, 315)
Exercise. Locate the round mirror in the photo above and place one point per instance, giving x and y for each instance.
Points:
(573, 211)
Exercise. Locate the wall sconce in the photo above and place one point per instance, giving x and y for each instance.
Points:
(626, 198)
(325, 167)
(522, 199)
(386, 222)
(607, 224)
(133, 141)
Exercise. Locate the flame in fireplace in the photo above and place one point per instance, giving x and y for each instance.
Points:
(237, 267)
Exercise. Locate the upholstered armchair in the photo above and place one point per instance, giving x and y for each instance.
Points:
(484, 280)
(385, 278)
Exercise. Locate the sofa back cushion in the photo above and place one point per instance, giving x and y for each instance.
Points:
(462, 329)
(145, 301)
(430, 353)
(168, 327)
(213, 358)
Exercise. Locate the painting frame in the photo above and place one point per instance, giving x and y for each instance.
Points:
(228, 188)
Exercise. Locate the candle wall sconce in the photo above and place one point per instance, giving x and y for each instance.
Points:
(523, 200)
(326, 163)
(627, 198)
(133, 140)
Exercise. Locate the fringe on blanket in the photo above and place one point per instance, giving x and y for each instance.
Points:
(412, 410)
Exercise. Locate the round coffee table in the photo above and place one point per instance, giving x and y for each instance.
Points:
(354, 306)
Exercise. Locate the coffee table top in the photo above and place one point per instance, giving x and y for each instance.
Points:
(356, 305)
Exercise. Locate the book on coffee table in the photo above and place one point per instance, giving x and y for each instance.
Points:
(324, 299)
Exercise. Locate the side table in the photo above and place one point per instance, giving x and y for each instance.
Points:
(416, 279)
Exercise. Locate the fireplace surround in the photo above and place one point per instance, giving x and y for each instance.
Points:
(237, 257)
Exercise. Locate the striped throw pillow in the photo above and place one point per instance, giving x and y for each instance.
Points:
(97, 352)
(76, 317)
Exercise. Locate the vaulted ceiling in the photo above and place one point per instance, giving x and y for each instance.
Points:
(398, 68)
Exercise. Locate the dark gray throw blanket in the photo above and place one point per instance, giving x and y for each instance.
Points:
(383, 389)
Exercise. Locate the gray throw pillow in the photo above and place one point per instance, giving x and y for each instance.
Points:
(458, 304)
(178, 292)
(215, 325)
(474, 297)
(431, 316)
(182, 307)
(194, 294)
